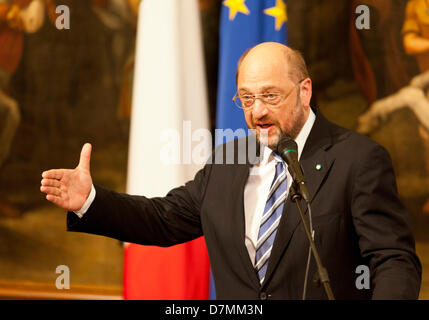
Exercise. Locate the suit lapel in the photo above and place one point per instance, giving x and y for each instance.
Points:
(316, 164)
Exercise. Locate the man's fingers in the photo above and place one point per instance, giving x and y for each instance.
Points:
(85, 156)
(51, 183)
(53, 174)
(51, 190)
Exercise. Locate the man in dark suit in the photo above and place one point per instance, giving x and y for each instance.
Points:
(257, 247)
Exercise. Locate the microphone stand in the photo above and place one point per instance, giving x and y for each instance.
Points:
(323, 273)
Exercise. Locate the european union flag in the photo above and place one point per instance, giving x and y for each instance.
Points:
(244, 24)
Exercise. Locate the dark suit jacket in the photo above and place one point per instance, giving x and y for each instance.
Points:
(357, 217)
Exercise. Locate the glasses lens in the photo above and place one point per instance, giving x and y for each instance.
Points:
(272, 99)
(237, 102)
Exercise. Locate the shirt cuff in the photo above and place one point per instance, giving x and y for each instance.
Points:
(87, 203)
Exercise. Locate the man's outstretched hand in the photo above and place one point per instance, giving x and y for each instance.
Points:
(69, 188)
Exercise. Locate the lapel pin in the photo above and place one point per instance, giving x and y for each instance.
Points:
(318, 167)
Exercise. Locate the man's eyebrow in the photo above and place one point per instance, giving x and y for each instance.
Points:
(262, 89)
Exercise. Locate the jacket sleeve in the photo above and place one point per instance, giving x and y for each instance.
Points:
(381, 223)
(161, 221)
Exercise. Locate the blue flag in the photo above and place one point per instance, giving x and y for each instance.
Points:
(243, 24)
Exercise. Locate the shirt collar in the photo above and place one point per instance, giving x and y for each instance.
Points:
(300, 139)
(305, 132)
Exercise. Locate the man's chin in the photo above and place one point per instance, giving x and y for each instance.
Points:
(270, 141)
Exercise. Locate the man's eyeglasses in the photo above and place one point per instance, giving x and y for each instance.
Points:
(246, 101)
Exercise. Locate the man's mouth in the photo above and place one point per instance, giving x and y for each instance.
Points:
(264, 126)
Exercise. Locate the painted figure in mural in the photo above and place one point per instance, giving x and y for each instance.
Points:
(121, 17)
(412, 96)
(16, 18)
(376, 54)
(415, 32)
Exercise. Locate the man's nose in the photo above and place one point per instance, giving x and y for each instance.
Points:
(259, 110)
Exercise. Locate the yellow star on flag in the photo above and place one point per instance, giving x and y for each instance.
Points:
(278, 12)
(236, 6)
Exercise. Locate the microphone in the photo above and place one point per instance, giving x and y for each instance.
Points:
(288, 151)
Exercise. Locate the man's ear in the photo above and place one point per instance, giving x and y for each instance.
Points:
(306, 91)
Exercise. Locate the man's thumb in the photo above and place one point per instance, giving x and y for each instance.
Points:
(85, 156)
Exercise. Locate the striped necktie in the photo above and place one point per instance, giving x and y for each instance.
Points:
(271, 218)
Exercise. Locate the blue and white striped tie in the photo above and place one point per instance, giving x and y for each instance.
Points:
(271, 218)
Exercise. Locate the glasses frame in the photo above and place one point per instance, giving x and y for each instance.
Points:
(261, 95)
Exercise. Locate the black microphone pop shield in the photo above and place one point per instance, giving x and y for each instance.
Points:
(285, 146)
(287, 149)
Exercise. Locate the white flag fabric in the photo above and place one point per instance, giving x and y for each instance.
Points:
(169, 88)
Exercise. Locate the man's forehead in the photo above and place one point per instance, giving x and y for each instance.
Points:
(268, 58)
(263, 73)
(263, 61)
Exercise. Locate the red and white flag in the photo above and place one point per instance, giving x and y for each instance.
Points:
(169, 88)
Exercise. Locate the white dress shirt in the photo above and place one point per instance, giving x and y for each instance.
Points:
(256, 189)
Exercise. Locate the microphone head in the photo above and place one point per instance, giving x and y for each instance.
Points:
(285, 145)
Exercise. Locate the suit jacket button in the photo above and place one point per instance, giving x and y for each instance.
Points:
(263, 296)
